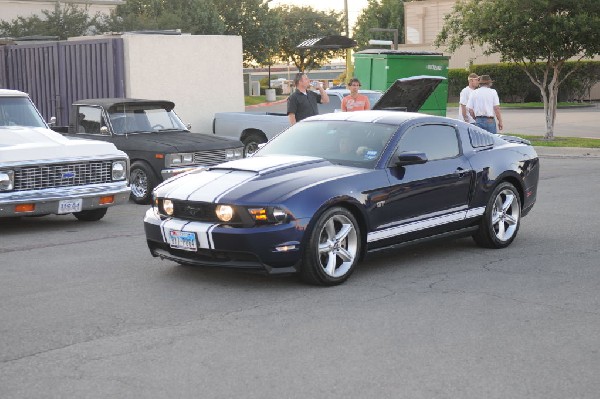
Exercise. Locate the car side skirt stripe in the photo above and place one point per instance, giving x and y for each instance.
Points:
(424, 224)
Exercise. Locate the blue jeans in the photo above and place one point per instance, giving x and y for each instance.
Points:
(486, 123)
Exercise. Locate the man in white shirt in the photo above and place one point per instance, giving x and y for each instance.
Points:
(463, 113)
(484, 105)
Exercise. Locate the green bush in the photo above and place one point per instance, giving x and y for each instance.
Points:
(513, 84)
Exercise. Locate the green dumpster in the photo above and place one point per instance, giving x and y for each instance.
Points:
(378, 69)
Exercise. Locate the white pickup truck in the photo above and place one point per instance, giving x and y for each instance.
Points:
(253, 129)
(43, 172)
(405, 94)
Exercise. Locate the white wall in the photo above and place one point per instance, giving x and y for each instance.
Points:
(201, 74)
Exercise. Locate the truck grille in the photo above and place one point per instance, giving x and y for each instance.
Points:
(62, 175)
(209, 157)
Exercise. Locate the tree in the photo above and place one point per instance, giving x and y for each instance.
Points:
(538, 35)
(387, 14)
(259, 27)
(64, 21)
(304, 23)
(198, 17)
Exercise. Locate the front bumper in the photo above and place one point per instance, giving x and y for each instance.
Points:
(251, 248)
(47, 201)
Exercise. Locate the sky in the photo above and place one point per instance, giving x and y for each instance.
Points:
(354, 6)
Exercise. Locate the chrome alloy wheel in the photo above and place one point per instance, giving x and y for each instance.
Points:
(338, 246)
(139, 183)
(505, 215)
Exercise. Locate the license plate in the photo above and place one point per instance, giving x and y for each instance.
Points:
(182, 240)
(68, 206)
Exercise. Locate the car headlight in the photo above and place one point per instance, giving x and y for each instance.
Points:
(234, 153)
(179, 159)
(268, 214)
(168, 207)
(119, 170)
(224, 213)
(7, 180)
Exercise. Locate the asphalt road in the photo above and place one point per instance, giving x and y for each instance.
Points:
(570, 122)
(86, 312)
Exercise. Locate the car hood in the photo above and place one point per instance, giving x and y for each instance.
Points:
(174, 141)
(408, 94)
(255, 180)
(26, 143)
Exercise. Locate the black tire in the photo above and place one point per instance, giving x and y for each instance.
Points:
(333, 248)
(142, 181)
(92, 215)
(251, 143)
(502, 218)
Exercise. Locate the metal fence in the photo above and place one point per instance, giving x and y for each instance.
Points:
(55, 74)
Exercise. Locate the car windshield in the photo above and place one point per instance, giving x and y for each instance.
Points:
(143, 119)
(341, 142)
(19, 111)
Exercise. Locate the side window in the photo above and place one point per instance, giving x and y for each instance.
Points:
(89, 120)
(436, 141)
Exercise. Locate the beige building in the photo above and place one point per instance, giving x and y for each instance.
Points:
(423, 20)
(11, 9)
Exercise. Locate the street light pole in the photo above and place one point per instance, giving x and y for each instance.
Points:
(349, 66)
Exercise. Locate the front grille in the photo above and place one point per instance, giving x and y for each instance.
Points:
(62, 175)
(198, 211)
(209, 157)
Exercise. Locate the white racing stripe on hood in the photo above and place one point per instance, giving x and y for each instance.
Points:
(266, 164)
(205, 186)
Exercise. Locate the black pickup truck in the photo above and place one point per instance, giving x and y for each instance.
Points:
(158, 143)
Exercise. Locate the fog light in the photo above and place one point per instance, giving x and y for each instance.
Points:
(25, 208)
(285, 248)
(109, 199)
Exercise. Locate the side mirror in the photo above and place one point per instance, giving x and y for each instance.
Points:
(103, 130)
(189, 127)
(52, 121)
(411, 158)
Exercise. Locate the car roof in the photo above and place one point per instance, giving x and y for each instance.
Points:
(385, 117)
(123, 102)
(12, 93)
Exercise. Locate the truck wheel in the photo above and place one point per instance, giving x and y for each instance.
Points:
(91, 215)
(142, 181)
(251, 143)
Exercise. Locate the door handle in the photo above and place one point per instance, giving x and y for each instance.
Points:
(460, 172)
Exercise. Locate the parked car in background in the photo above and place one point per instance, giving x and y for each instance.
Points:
(253, 129)
(42, 172)
(319, 196)
(159, 145)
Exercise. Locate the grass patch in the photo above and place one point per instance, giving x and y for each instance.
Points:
(253, 100)
(578, 142)
(533, 105)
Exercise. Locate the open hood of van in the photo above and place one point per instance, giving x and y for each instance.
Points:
(408, 94)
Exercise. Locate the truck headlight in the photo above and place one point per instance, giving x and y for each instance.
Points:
(119, 170)
(234, 153)
(7, 180)
(179, 159)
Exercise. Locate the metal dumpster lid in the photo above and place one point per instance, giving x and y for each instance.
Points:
(396, 52)
(333, 42)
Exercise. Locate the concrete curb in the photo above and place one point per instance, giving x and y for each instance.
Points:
(568, 152)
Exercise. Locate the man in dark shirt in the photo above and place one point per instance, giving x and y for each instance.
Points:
(302, 103)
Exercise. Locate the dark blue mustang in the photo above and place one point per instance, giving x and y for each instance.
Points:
(320, 195)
